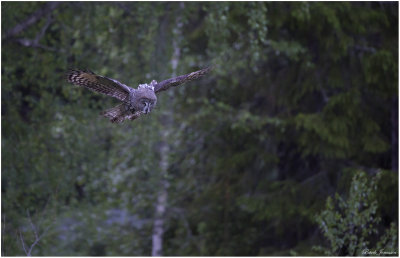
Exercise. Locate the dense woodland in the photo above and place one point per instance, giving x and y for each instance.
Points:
(288, 147)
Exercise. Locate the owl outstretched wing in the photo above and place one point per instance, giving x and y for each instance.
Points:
(97, 83)
(173, 82)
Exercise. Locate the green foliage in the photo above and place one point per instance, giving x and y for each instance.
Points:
(301, 93)
(351, 226)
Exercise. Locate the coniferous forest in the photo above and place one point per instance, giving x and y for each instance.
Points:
(288, 147)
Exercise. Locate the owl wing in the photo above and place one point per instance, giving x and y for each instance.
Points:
(173, 82)
(97, 83)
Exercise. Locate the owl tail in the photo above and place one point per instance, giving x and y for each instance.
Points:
(115, 114)
(119, 114)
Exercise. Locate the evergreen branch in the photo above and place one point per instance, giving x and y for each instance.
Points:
(35, 17)
(35, 42)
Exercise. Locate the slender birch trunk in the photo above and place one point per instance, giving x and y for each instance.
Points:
(162, 198)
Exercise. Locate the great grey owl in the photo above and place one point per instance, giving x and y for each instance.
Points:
(135, 102)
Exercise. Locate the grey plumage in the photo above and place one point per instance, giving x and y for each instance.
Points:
(135, 102)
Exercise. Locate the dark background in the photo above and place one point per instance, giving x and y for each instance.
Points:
(302, 105)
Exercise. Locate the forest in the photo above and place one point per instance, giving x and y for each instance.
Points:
(288, 147)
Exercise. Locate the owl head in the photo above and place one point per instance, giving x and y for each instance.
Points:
(144, 100)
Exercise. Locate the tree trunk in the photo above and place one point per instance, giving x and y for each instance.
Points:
(162, 198)
(158, 227)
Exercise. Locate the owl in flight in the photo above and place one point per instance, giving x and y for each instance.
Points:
(135, 102)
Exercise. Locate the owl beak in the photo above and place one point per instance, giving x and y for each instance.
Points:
(146, 109)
